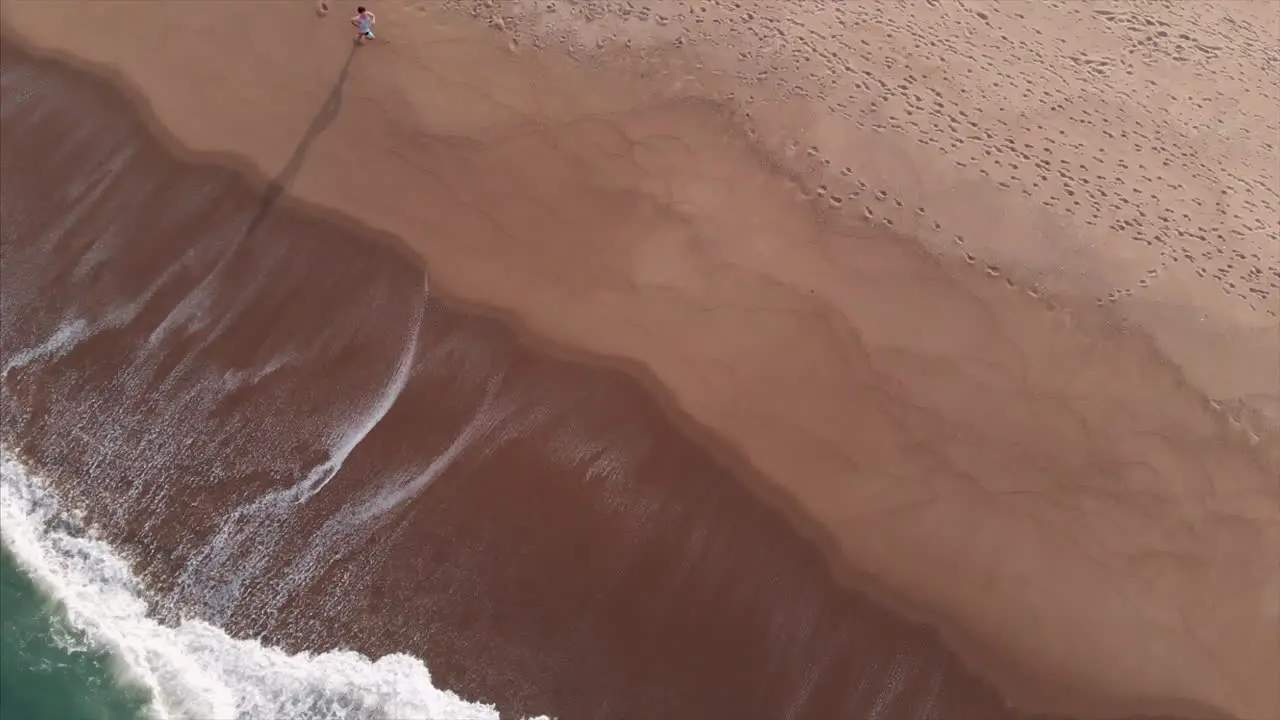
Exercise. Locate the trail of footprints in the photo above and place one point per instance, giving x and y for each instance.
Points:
(1199, 193)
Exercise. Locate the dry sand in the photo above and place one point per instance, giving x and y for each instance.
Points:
(1055, 482)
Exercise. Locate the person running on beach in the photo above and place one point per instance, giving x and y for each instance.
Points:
(363, 21)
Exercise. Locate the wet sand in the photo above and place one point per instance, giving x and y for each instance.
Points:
(534, 529)
(1051, 490)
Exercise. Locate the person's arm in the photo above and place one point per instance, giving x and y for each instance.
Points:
(373, 19)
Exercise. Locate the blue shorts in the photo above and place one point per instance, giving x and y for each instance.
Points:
(366, 33)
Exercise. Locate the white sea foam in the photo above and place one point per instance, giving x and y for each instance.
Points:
(353, 525)
(195, 670)
(225, 555)
(67, 336)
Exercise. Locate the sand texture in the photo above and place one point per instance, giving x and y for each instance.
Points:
(987, 295)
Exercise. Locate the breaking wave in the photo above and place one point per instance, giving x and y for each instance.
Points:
(193, 669)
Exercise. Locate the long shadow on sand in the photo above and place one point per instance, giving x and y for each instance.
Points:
(321, 122)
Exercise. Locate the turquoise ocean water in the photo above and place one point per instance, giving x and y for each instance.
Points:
(78, 641)
(48, 668)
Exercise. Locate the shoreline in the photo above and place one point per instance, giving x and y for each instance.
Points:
(706, 436)
(135, 663)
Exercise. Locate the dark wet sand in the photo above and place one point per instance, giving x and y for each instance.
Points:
(1029, 474)
(351, 330)
(575, 555)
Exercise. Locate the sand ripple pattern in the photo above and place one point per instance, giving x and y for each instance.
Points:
(295, 441)
(292, 441)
